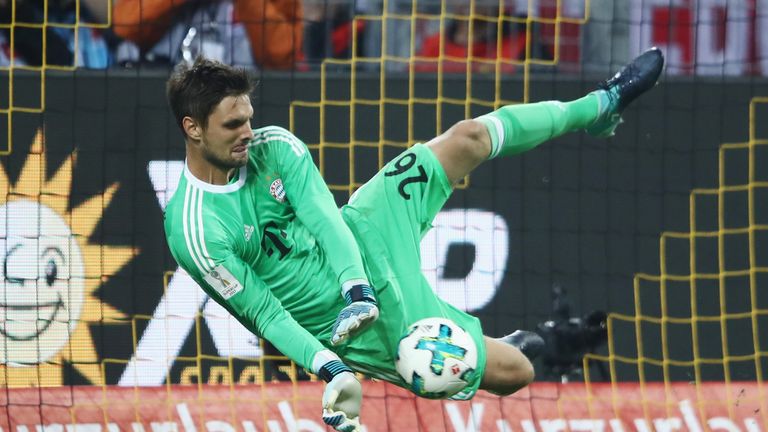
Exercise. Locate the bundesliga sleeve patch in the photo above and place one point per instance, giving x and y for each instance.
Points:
(223, 282)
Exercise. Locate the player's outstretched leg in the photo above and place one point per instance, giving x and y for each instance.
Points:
(515, 129)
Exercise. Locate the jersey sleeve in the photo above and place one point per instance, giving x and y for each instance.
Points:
(224, 276)
(315, 207)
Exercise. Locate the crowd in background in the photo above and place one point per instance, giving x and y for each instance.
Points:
(294, 34)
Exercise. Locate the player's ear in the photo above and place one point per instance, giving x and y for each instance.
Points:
(192, 128)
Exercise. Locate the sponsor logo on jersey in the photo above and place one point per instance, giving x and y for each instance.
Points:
(248, 232)
(223, 282)
(277, 191)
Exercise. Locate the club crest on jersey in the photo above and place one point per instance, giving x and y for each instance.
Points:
(277, 191)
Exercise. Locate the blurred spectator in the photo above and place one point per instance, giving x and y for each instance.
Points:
(60, 41)
(605, 45)
(329, 30)
(397, 34)
(264, 33)
(332, 25)
(484, 38)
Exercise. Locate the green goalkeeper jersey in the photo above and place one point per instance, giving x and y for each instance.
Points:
(270, 246)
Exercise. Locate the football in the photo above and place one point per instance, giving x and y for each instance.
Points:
(436, 358)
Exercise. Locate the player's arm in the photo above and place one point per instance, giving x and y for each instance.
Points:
(315, 207)
(256, 307)
(234, 285)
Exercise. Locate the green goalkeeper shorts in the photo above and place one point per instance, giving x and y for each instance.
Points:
(389, 215)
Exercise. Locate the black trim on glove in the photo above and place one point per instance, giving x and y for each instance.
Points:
(329, 370)
(360, 293)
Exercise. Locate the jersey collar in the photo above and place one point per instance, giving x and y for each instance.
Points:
(231, 187)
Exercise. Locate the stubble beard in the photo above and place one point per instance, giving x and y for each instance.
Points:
(222, 162)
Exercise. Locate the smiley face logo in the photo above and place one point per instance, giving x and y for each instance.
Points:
(52, 265)
(43, 282)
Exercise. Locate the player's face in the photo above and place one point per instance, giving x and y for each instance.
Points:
(225, 139)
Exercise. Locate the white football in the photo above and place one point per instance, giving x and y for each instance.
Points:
(436, 358)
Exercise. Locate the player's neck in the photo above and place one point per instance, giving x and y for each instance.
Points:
(209, 173)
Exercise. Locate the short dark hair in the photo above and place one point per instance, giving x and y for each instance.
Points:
(195, 90)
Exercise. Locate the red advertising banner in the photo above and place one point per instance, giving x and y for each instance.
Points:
(704, 37)
(277, 407)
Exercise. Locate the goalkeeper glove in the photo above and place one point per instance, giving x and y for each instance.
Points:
(342, 397)
(360, 312)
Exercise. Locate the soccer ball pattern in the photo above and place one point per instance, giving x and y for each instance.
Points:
(436, 357)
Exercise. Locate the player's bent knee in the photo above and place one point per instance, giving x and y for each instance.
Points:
(520, 376)
(527, 374)
(470, 129)
(514, 380)
(461, 148)
(507, 369)
(471, 139)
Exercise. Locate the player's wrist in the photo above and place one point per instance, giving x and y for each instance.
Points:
(327, 365)
(333, 368)
(360, 290)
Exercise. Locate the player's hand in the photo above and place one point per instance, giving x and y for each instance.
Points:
(342, 397)
(360, 312)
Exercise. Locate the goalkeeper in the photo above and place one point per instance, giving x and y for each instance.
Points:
(253, 223)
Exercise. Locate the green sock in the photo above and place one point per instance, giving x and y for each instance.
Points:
(518, 128)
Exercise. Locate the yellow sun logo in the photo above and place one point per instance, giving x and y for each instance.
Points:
(50, 273)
